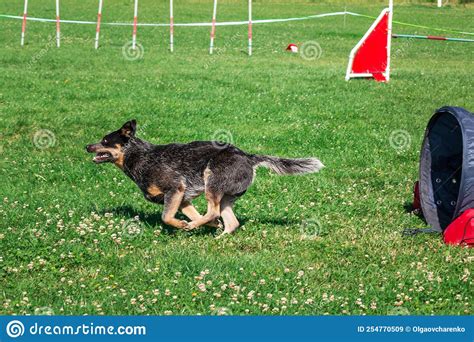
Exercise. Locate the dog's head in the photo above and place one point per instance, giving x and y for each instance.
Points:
(110, 148)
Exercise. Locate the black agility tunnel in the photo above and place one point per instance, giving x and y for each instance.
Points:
(447, 166)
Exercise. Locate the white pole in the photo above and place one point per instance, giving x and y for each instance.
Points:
(58, 26)
(250, 27)
(135, 15)
(440, 3)
(97, 30)
(389, 43)
(213, 29)
(171, 27)
(23, 26)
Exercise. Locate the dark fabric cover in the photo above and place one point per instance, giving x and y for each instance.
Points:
(447, 166)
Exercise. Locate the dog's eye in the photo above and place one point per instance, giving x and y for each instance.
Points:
(104, 141)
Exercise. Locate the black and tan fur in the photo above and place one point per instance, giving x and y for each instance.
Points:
(175, 174)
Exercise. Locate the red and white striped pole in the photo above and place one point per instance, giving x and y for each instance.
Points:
(97, 29)
(171, 27)
(250, 27)
(23, 26)
(213, 29)
(58, 26)
(135, 21)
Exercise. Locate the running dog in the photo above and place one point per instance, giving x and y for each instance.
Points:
(175, 174)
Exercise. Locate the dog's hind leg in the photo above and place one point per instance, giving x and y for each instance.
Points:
(230, 221)
(172, 202)
(213, 211)
(188, 209)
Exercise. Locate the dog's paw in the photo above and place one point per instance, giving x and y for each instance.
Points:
(215, 224)
(189, 226)
(183, 225)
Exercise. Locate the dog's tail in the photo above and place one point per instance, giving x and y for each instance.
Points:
(285, 166)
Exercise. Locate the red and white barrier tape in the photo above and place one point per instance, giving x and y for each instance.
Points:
(227, 23)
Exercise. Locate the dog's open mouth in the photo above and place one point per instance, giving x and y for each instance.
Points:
(101, 157)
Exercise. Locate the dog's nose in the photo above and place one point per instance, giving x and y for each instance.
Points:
(89, 148)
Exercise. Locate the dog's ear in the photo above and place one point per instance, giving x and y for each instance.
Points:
(129, 128)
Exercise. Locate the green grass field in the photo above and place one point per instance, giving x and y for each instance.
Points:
(79, 238)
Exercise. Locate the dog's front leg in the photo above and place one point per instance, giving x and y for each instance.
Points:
(172, 202)
(213, 211)
(188, 209)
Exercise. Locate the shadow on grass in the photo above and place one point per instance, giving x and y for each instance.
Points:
(154, 219)
(408, 206)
